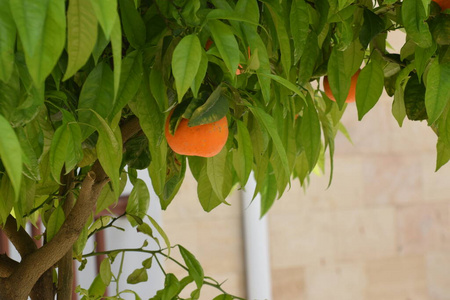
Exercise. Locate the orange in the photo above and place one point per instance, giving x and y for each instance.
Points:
(444, 4)
(204, 140)
(351, 92)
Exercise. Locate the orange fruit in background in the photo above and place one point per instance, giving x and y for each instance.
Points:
(444, 4)
(204, 140)
(351, 92)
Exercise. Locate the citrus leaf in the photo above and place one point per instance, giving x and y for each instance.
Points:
(105, 271)
(97, 288)
(161, 232)
(97, 94)
(299, 23)
(185, 63)
(42, 30)
(268, 191)
(133, 25)
(7, 196)
(109, 151)
(243, 156)
(287, 84)
(214, 109)
(215, 168)
(81, 34)
(138, 201)
(206, 195)
(194, 267)
(130, 80)
(269, 124)
(414, 16)
(55, 222)
(158, 88)
(106, 12)
(310, 133)
(116, 44)
(369, 87)
(372, 26)
(226, 44)
(283, 39)
(138, 275)
(7, 42)
(437, 94)
(196, 83)
(11, 154)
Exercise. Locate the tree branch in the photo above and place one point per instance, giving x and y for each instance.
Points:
(7, 265)
(65, 271)
(18, 237)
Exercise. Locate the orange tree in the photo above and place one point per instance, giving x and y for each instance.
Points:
(86, 87)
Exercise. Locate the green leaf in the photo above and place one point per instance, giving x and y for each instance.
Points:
(11, 154)
(341, 67)
(226, 44)
(138, 275)
(243, 156)
(158, 88)
(269, 124)
(81, 34)
(97, 288)
(309, 58)
(7, 198)
(437, 94)
(161, 232)
(214, 109)
(185, 63)
(171, 287)
(369, 87)
(215, 168)
(55, 222)
(65, 148)
(203, 67)
(299, 23)
(372, 26)
(42, 30)
(138, 201)
(422, 57)
(100, 45)
(152, 123)
(97, 94)
(310, 133)
(268, 190)
(116, 44)
(105, 271)
(223, 297)
(194, 268)
(206, 195)
(283, 39)
(109, 152)
(130, 80)
(132, 23)
(414, 16)
(7, 41)
(106, 12)
(287, 84)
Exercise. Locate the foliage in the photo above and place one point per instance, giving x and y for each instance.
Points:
(75, 76)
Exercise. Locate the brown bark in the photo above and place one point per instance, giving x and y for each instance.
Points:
(18, 237)
(65, 271)
(33, 265)
(7, 265)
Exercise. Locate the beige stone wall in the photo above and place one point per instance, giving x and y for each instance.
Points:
(380, 232)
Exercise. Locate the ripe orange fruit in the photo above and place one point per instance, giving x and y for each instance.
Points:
(444, 4)
(351, 92)
(204, 140)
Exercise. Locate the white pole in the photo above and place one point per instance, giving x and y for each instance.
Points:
(256, 241)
